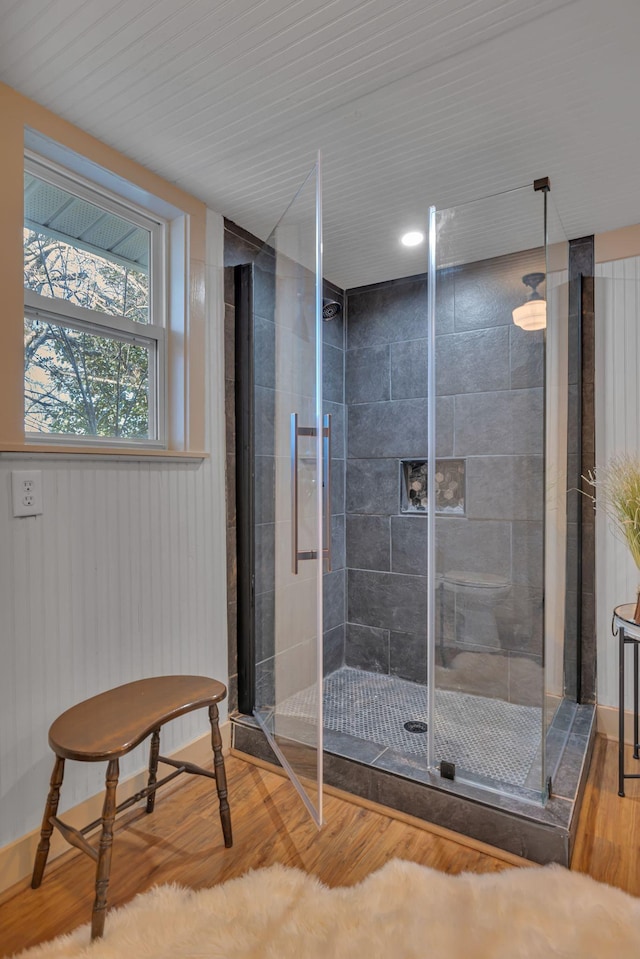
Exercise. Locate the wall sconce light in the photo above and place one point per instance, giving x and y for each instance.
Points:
(532, 315)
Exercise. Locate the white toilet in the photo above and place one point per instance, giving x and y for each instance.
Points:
(476, 596)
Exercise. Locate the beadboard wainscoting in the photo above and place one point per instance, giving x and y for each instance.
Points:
(123, 576)
(617, 392)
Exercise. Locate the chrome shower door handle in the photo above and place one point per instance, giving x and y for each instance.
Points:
(326, 466)
(294, 493)
(296, 431)
(297, 554)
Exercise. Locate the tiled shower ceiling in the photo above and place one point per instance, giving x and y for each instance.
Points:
(412, 102)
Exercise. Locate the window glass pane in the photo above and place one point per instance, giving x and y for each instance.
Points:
(84, 384)
(77, 251)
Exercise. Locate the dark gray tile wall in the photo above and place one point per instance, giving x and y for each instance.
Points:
(393, 601)
(333, 386)
(385, 430)
(387, 313)
(372, 486)
(368, 374)
(409, 370)
(368, 542)
(367, 647)
(489, 383)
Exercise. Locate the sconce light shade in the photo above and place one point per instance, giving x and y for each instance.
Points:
(532, 315)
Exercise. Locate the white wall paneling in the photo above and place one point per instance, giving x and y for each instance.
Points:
(123, 576)
(617, 391)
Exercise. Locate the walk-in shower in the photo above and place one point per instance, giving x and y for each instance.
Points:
(447, 688)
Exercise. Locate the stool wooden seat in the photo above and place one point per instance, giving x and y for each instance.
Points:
(108, 726)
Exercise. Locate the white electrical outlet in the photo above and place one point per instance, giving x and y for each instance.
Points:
(26, 490)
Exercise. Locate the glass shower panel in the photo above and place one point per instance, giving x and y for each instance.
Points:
(290, 442)
(487, 414)
(559, 672)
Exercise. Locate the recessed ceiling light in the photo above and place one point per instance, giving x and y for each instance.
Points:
(414, 238)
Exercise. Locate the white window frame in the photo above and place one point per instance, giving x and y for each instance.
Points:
(152, 335)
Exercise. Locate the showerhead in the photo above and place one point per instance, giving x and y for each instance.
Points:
(330, 308)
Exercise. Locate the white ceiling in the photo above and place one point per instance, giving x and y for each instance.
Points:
(412, 102)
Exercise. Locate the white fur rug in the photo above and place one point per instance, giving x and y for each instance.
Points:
(404, 911)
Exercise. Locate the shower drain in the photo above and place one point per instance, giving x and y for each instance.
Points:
(415, 726)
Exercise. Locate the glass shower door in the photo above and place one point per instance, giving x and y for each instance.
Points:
(291, 441)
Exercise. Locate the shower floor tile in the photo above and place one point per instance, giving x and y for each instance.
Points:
(484, 737)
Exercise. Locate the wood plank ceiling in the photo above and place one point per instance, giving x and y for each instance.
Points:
(412, 102)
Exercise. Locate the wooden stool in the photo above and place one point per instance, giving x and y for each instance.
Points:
(105, 727)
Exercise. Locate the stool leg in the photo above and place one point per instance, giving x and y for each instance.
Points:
(104, 850)
(621, 713)
(221, 776)
(50, 810)
(636, 744)
(153, 767)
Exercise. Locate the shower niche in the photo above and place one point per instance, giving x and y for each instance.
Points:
(449, 621)
(449, 484)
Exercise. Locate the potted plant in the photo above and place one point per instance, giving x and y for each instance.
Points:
(617, 491)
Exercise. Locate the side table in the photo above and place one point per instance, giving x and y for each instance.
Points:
(628, 632)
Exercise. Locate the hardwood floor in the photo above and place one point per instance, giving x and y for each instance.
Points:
(182, 842)
(608, 840)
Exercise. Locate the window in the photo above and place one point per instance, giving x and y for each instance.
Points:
(94, 313)
(116, 315)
